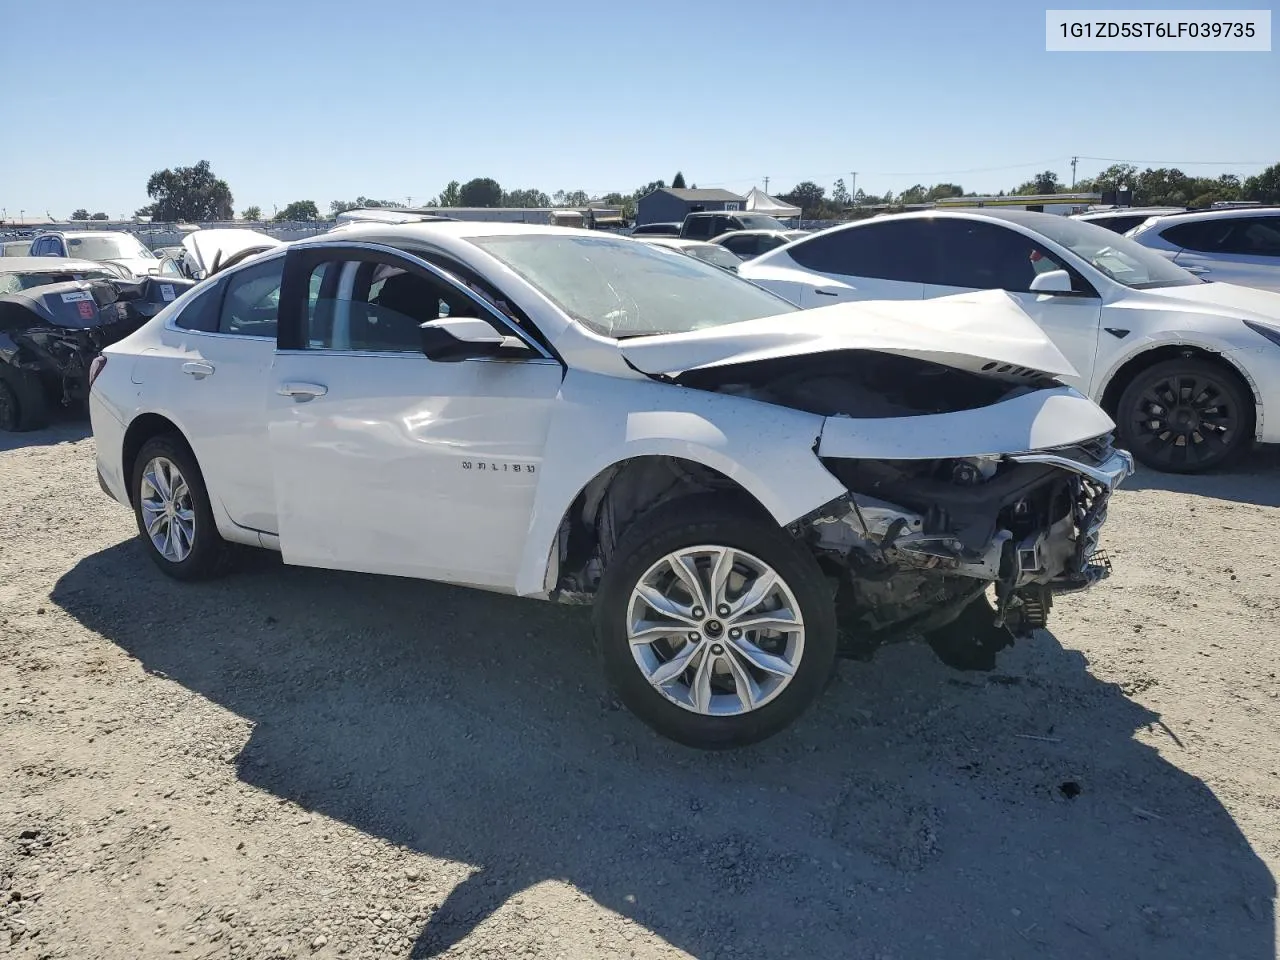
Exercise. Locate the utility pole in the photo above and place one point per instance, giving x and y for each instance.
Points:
(853, 184)
(1073, 172)
(766, 184)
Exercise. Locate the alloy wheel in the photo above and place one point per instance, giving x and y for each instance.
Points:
(715, 630)
(1185, 419)
(167, 511)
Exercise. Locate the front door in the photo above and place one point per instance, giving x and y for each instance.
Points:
(385, 461)
(978, 255)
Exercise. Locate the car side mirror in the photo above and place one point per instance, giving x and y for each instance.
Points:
(451, 339)
(1052, 281)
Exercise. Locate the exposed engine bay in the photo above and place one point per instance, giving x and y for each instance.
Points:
(967, 552)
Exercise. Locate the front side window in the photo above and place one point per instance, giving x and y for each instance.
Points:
(371, 307)
(758, 221)
(890, 249)
(626, 288)
(251, 305)
(985, 256)
(742, 246)
(1202, 236)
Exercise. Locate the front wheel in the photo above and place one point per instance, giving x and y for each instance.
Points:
(22, 401)
(1185, 416)
(717, 629)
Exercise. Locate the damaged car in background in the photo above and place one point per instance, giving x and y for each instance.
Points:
(51, 331)
(741, 490)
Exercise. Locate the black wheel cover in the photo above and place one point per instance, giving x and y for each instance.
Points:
(1185, 420)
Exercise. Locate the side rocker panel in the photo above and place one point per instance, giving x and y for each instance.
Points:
(601, 421)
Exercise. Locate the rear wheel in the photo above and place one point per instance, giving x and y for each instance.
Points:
(1185, 416)
(172, 508)
(717, 629)
(22, 401)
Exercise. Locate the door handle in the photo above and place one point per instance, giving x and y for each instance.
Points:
(301, 392)
(825, 293)
(197, 368)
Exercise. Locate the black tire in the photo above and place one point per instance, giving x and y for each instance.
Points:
(1167, 406)
(209, 553)
(703, 520)
(22, 401)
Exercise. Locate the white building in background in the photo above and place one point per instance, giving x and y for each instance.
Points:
(1061, 203)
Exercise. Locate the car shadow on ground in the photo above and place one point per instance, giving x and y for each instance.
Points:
(1254, 478)
(915, 811)
(65, 427)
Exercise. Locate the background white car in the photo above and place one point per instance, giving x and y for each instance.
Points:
(745, 244)
(699, 249)
(1235, 245)
(1124, 219)
(105, 246)
(631, 428)
(1189, 370)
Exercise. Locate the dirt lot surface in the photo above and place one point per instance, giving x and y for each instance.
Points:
(294, 763)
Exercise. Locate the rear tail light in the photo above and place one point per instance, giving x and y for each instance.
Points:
(95, 367)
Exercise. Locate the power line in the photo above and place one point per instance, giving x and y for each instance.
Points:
(821, 178)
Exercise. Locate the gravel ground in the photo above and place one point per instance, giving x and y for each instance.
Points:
(295, 763)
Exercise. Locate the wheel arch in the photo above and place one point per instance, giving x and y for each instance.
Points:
(613, 500)
(1123, 373)
(142, 428)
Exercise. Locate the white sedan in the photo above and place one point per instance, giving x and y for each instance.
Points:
(565, 414)
(1236, 245)
(1189, 370)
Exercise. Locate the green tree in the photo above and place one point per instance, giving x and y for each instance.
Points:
(526, 198)
(1265, 187)
(251, 213)
(648, 188)
(480, 192)
(576, 198)
(98, 216)
(840, 194)
(914, 194)
(187, 193)
(940, 190)
(1113, 178)
(300, 210)
(859, 197)
(80, 214)
(809, 197)
(450, 196)
(677, 182)
(1039, 185)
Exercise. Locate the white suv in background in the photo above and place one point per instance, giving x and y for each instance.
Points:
(1233, 246)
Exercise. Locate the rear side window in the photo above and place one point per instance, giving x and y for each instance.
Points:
(251, 305)
(1204, 236)
(892, 250)
(1255, 236)
(201, 313)
(743, 246)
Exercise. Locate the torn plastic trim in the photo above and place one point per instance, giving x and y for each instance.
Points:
(1110, 473)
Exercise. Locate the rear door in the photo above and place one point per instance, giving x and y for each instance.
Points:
(980, 255)
(876, 260)
(225, 339)
(385, 461)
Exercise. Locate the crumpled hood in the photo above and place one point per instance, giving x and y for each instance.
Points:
(207, 248)
(967, 331)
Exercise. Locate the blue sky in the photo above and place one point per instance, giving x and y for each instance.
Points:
(329, 100)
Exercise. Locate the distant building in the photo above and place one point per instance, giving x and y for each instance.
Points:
(669, 205)
(1063, 203)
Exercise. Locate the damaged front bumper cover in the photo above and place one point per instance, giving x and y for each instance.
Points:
(892, 551)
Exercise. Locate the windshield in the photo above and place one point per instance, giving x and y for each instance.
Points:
(118, 247)
(15, 282)
(713, 253)
(758, 221)
(625, 288)
(1119, 258)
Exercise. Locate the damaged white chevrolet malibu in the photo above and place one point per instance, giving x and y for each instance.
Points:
(744, 491)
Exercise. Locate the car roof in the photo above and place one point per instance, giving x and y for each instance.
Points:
(87, 233)
(46, 264)
(1128, 212)
(1225, 213)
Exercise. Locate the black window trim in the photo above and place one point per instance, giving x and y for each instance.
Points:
(290, 333)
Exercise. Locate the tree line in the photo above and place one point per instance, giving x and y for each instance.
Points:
(194, 193)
